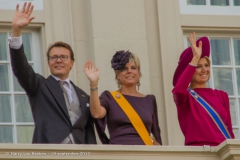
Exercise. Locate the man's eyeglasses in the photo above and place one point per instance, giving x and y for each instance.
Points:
(55, 58)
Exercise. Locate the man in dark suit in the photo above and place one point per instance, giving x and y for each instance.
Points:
(60, 109)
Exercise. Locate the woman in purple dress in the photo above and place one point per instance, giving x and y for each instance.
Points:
(108, 112)
(203, 113)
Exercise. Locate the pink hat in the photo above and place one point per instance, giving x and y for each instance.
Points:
(187, 56)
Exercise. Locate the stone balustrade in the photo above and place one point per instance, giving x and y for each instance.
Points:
(228, 150)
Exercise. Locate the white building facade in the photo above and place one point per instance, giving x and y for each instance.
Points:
(155, 30)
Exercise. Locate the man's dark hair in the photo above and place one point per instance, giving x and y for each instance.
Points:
(61, 44)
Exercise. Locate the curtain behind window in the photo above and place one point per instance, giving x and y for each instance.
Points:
(196, 2)
(220, 2)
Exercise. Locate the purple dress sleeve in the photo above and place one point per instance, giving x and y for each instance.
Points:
(100, 127)
(155, 127)
(101, 123)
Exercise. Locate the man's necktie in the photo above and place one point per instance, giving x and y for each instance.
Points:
(64, 90)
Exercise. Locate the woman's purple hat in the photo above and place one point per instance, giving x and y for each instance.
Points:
(120, 59)
(187, 55)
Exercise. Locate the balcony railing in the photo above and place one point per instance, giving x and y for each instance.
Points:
(228, 150)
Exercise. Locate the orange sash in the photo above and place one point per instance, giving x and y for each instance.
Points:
(133, 117)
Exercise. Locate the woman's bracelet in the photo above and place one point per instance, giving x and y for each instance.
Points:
(94, 89)
(193, 65)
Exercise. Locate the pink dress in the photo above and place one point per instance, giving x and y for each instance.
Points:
(196, 125)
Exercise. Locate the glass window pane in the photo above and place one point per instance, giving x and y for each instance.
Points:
(220, 52)
(236, 45)
(220, 2)
(238, 80)
(24, 134)
(236, 133)
(223, 80)
(4, 80)
(208, 84)
(22, 108)
(233, 112)
(5, 108)
(27, 45)
(196, 2)
(236, 2)
(3, 46)
(6, 134)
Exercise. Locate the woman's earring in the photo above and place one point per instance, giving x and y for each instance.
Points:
(138, 84)
(119, 83)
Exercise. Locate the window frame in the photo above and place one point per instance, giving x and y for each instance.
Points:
(11, 5)
(208, 9)
(37, 62)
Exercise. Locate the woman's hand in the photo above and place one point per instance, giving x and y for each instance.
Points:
(196, 50)
(155, 143)
(92, 73)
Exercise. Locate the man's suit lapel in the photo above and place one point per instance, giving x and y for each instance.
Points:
(57, 93)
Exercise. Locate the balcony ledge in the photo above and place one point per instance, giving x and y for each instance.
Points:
(228, 150)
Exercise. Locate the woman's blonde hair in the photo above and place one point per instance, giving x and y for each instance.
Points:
(133, 58)
(208, 60)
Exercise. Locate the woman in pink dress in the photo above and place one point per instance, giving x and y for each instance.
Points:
(203, 113)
